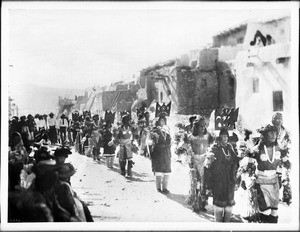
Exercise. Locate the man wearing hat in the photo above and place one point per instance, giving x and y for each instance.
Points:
(61, 154)
(43, 156)
(14, 125)
(63, 126)
(269, 157)
(65, 194)
(42, 123)
(222, 169)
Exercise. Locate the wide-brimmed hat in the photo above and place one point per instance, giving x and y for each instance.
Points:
(62, 151)
(65, 171)
(29, 116)
(42, 154)
(23, 118)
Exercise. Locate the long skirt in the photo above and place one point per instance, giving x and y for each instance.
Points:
(267, 196)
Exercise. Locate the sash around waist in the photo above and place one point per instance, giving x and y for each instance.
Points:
(267, 177)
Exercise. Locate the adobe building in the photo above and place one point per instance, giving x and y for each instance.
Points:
(261, 67)
(196, 83)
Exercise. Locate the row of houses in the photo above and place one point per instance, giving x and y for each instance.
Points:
(247, 66)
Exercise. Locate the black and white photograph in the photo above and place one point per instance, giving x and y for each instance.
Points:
(152, 115)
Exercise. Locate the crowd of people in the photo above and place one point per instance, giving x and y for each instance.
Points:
(218, 164)
(39, 185)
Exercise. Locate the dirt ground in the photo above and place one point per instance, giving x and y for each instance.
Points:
(114, 198)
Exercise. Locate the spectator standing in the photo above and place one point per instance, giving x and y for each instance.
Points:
(52, 129)
(63, 126)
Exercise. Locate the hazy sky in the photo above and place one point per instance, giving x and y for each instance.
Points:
(78, 48)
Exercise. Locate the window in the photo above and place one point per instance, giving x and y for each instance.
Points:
(232, 88)
(161, 96)
(277, 101)
(255, 85)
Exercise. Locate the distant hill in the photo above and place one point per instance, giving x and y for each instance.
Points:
(39, 99)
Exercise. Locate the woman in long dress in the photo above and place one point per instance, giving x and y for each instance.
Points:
(161, 154)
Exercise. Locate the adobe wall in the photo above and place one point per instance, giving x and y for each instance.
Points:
(227, 85)
(197, 91)
(107, 98)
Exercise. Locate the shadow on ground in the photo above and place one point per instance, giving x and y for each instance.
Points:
(208, 215)
(138, 177)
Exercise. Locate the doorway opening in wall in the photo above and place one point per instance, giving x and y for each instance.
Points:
(277, 101)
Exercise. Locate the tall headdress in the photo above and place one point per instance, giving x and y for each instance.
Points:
(162, 110)
(75, 115)
(87, 113)
(109, 117)
(226, 118)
